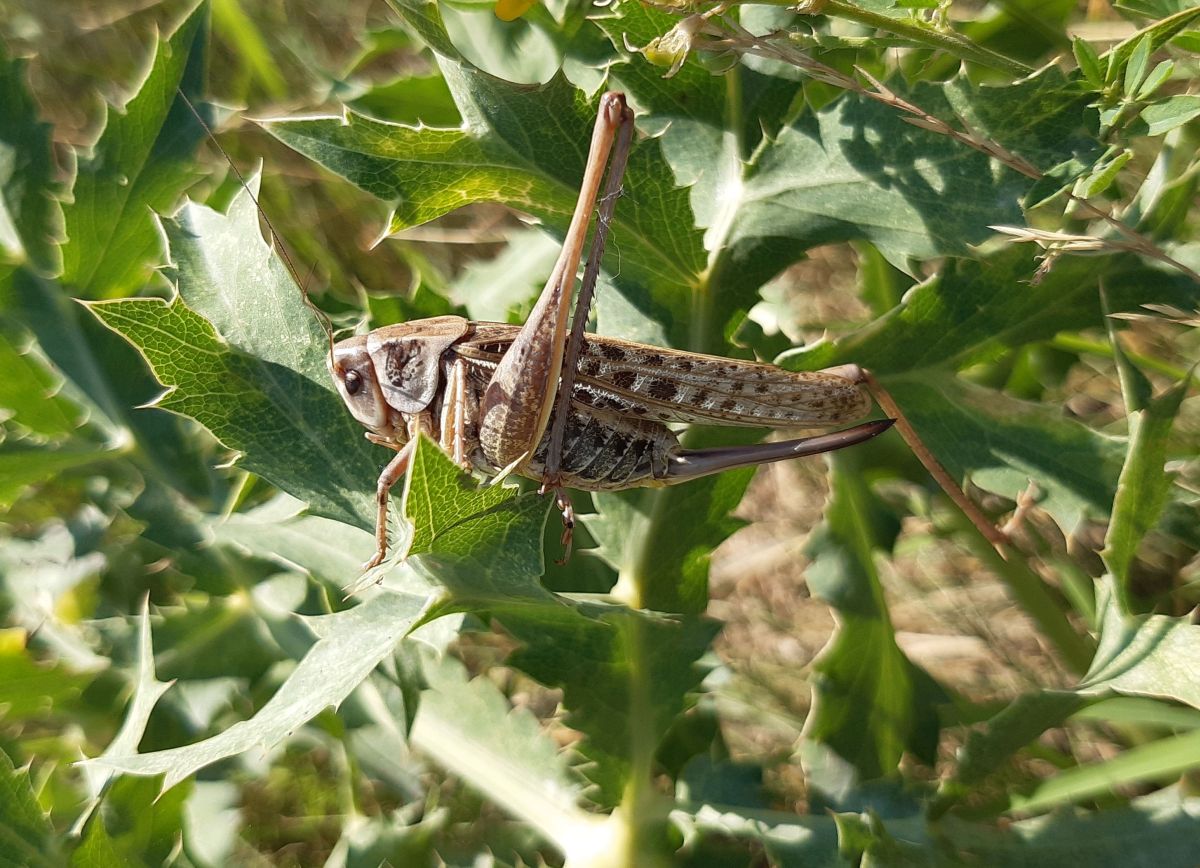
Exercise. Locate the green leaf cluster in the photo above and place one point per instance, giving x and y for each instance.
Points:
(186, 500)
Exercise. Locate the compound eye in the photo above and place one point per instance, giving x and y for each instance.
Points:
(353, 382)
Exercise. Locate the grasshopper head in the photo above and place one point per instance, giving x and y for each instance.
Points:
(354, 374)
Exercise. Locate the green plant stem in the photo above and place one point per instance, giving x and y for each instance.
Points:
(703, 337)
(1030, 592)
(643, 811)
(950, 42)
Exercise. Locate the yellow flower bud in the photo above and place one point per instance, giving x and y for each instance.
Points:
(511, 10)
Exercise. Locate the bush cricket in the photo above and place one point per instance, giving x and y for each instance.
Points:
(580, 410)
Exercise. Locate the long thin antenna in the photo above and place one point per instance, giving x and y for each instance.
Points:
(322, 317)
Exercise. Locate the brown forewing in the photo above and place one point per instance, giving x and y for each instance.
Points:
(674, 386)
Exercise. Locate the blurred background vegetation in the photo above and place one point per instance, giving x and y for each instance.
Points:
(107, 503)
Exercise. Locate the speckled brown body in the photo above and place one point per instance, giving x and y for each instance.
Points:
(624, 394)
(579, 410)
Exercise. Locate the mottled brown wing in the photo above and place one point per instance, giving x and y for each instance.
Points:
(674, 386)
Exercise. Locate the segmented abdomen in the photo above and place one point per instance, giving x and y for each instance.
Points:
(603, 451)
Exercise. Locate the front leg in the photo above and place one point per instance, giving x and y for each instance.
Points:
(452, 429)
(392, 473)
(519, 398)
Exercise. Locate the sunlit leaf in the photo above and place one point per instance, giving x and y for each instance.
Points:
(510, 758)
(260, 384)
(141, 165)
(1172, 112)
(351, 644)
(1143, 655)
(425, 173)
(972, 313)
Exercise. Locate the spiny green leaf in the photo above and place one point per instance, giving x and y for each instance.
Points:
(29, 393)
(1042, 118)
(229, 275)
(1143, 655)
(285, 425)
(26, 838)
(31, 220)
(260, 385)
(485, 547)
(857, 170)
(708, 127)
(820, 179)
(141, 165)
(510, 758)
(439, 495)
(147, 690)
(481, 541)
(496, 156)
(871, 704)
(624, 674)
(351, 644)
(1000, 444)
(972, 312)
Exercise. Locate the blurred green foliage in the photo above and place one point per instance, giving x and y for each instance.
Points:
(186, 500)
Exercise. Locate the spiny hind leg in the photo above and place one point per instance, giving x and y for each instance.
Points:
(519, 398)
(997, 537)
